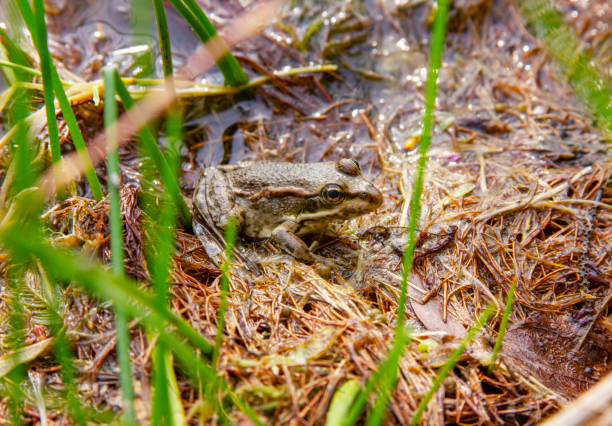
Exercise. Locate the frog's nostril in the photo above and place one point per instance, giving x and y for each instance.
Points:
(376, 197)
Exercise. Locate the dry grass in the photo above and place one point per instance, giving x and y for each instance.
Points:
(518, 189)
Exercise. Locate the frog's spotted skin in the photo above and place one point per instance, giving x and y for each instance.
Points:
(283, 201)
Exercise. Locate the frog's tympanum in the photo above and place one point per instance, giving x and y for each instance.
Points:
(284, 201)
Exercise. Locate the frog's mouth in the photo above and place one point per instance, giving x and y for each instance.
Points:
(354, 205)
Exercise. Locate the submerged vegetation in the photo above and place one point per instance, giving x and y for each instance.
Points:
(478, 293)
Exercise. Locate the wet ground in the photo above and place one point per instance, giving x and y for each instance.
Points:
(517, 190)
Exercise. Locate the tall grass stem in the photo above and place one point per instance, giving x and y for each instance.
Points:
(388, 369)
(116, 236)
(228, 65)
(168, 177)
(230, 238)
(451, 362)
(503, 326)
(164, 37)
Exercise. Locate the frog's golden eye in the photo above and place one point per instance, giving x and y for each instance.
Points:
(332, 193)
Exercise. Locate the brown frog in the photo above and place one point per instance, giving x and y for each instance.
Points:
(284, 201)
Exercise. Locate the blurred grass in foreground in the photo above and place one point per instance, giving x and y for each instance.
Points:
(23, 234)
(588, 81)
(452, 360)
(20, 235)
(38, 30)
(116, 235)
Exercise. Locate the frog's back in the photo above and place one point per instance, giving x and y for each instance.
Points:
(253, 176)
(270, 193)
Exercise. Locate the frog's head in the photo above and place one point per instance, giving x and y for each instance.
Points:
(343, 194)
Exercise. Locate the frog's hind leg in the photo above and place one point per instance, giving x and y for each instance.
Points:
(219, 199)
(214, 243)
(208, 200)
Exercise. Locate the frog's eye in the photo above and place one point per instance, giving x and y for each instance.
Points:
(332, 193)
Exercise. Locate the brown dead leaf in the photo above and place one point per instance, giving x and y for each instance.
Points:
(542, 347)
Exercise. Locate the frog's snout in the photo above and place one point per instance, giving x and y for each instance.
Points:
(372, 196)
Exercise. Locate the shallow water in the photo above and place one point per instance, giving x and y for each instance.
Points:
(507, 127)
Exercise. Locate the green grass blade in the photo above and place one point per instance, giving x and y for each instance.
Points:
(23, 155)
(388, 380)
(162, 234)
(14, 339)
(160, 212)
(167, 407)
(388, 368)
(230, 238)
(46, 65)
(18, 60)
(503, 325)
(381, 374)
(140, 20)
(66, 266)
(164, 37)
(150, 145)
(160, 227)
(451, 362)
(341, 402)
(160, 403)
(230, 68)
(17, 67)
(175, 402)
(591, 84)
(172, 151)
(116, 236)
(77, 137)
(435, 59)
(232, 71)
(113, 172)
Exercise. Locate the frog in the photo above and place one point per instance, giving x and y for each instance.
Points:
(283, 201)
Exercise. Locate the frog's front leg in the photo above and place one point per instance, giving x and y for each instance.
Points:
(284, 236)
